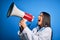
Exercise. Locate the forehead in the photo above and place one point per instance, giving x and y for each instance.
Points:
(41, 14)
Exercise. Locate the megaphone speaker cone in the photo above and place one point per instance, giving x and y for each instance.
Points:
(10, 9)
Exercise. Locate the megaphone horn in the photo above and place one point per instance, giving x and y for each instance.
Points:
(14, 11)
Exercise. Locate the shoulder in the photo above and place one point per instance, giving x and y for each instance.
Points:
(48, 29)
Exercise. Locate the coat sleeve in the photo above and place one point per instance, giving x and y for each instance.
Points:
(29, 35)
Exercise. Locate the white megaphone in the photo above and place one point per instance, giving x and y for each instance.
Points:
(14, 11)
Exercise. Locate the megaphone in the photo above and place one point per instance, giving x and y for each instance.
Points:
(14, 11)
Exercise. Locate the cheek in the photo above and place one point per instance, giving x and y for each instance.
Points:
(38, 23)
(41, 20)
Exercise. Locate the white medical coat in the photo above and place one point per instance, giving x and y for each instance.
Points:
(36, 34)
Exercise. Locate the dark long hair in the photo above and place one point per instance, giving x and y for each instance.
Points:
(46, 19)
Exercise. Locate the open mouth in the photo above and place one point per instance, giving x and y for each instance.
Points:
(38, 20)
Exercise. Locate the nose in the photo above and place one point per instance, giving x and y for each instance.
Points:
(38, 16)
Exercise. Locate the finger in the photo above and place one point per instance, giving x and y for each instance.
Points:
(20, 24)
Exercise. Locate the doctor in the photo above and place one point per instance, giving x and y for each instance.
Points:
(42, 32)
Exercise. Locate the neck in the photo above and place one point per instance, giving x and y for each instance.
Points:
(40, 26)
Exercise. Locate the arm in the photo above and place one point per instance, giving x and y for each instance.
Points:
(45, 34)
(29, 35)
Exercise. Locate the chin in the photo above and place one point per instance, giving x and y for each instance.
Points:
(38, 24)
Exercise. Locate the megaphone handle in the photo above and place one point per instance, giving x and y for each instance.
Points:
(21, 29)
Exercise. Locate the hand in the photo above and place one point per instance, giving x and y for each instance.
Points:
(22, 24)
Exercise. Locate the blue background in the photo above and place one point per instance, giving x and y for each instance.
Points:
(9, 26)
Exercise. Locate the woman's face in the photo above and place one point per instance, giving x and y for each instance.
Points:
(40, 19)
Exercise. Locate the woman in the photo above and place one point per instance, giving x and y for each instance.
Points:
(42, 32)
